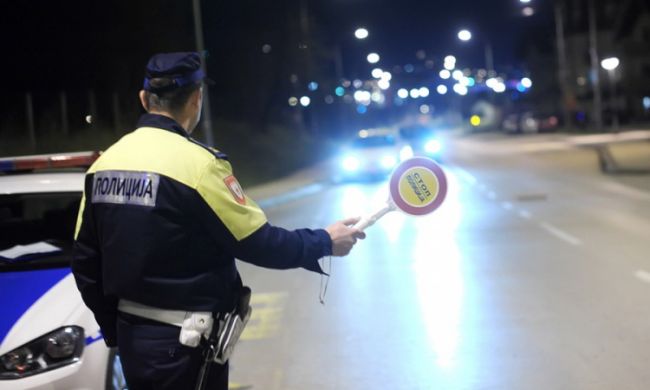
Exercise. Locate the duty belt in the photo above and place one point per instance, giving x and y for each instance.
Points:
(171, 317)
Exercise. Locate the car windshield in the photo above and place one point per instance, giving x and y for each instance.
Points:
(27, 219)
(374, 141)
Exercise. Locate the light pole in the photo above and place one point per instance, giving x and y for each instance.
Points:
(466, 36)
(610, 64)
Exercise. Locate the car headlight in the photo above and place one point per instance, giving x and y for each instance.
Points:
(432, 146)
(406, 153)
(350, 163)
(388, 162)
(53, 350)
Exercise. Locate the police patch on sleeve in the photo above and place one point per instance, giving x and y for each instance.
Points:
(125, 187)
(235, 189)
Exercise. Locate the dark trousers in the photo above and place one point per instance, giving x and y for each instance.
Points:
(152, 357)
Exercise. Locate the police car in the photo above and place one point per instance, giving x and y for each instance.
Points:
(48, 338)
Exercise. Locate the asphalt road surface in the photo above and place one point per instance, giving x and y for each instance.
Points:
(534, 274)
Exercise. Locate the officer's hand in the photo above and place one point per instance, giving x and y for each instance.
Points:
(344, 236)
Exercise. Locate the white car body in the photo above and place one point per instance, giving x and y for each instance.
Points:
(43, 300)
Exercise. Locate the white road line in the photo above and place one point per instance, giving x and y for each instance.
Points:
(506, 205)
(466, 176)
(559, 233)
(643, 275)
(525, 214)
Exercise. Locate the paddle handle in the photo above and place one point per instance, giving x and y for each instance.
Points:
(370, 220)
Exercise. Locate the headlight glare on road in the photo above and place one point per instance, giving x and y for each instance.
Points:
(432, 146)
(406, 153)
(350, 163)
(388, 162)
(53, 350)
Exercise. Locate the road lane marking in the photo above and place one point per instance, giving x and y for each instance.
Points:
(267, 315)
(643, 276)
(525, 214)
(559, 233)
(466, 176)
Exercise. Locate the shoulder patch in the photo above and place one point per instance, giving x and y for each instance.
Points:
(235, 189)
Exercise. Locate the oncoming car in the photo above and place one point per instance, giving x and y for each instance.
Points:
(422, 140)
(48, 338)
(373, 154)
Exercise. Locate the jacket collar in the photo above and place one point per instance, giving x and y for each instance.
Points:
(162, 122)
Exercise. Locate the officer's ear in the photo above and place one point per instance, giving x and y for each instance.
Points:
(143, 100)
(196, 98)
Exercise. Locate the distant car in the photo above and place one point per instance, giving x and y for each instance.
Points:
(422, 140)
(373, 154)
(529, 122)
(48, 338)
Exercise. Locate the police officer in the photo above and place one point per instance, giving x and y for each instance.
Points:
(161, 222)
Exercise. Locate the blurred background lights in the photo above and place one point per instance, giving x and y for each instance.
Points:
(475, 120)
(425, 109)
(361, 33)
(377, 73)
(451, 59)
(357, 83)
(387, 76)
(457, 75)
(528, 11)
(304, 101)
(464, 35)
(646, 103)
(424, 92)
(339, 91)
(526, 82)
(414, 93)
(329, 99)
(361, 109)
(293, 101)
(373, 58)
(408, 68)
(403, 93)
(491, 82)
(500, 87)
(266, 49)
(460, 89)
(383, 84)
(445, 74)
(610, 63)
(442, 89)
(312, 86)
(450, 65)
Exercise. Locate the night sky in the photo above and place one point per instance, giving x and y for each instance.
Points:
(80, 45)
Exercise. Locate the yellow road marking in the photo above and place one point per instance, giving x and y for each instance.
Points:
(267, 315)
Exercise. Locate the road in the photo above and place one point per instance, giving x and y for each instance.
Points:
(534, 274)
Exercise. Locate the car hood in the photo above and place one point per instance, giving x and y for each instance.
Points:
(35, 303)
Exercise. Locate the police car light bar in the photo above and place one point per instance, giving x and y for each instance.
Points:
(48, 161)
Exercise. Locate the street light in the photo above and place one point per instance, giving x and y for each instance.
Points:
(464, 35)
(373, 58)
(361, 33)
(610, 64)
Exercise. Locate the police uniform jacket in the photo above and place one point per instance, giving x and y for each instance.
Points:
(161, 222)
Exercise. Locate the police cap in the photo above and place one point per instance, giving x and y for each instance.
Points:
(182, 68)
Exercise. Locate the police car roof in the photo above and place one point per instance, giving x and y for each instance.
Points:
(46, 182)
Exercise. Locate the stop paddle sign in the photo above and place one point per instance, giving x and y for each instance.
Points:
(417, 187)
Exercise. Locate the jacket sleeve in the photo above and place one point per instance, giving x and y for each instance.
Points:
(238, 224)
(87, 270)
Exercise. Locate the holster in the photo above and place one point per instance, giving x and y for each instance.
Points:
(225, 333)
